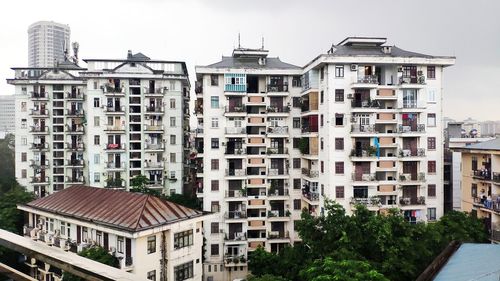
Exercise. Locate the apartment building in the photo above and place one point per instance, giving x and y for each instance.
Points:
(7, 110)
(358, 125)
(481, 183)
(248, 166)
(102, 125)
(46, 43)
(152, 238)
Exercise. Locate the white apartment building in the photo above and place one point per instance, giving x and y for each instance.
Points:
(248, 169)
(46, 43)
(7, 111)
(151, 237)
(102, 125)
(361, 126)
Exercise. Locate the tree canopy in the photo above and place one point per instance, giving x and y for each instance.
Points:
(95, 253)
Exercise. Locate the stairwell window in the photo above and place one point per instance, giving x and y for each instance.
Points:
(339, 71)
(431, 120)
(151, 244)
(215, 122)
(214, 102)
(183, 239)
(214, 80)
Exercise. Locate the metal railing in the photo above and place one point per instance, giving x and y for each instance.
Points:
(278, 109)
(368, 79)
(419, 128)
(235, 109)
(373, 201)
(277, 88)
(280, 130)
(420, 200)
(417, 152)
(277, 150)
(236, 172)
(235, 130)
(364, 177)
(235, 215)
(369, 129)
(310, 173)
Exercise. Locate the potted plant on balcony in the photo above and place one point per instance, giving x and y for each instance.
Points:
(421, 200)
(243, 259)
(372, 151)
(287, 213)
(405, 201)
(304, 146)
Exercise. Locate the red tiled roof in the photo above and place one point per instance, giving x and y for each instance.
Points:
(115, 208)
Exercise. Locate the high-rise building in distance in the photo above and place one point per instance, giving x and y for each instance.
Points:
(46, 40)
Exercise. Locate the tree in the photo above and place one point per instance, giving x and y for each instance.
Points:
(186, 200)
(7, 162)
(331, 270)
(95, 253)
(139, 183)
(266, 277)
(11, 218)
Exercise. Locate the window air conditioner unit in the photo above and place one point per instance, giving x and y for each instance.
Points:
(354, 67)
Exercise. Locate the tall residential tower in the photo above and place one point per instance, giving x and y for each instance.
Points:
(46, 43)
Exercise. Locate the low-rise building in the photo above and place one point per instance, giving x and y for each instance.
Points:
(143, 231)
(481, 183)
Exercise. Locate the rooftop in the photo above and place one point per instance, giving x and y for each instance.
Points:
(114, 208)
(252, 62)
(493, 144)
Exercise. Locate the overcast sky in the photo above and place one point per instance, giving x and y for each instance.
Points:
(199, 32)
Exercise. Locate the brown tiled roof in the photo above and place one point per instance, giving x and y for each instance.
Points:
(114, 208)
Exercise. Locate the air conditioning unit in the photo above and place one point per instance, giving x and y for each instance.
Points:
(350, 96)
(421, 79)
(354, 67)
(353, 119)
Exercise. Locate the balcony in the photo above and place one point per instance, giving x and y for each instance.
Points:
(309, 129)
(491, 203)
(153, 165)
(277, 172)
(39, 164)
(310, 196)
(278, 235)
(76, 146)
(157, 92)
(75, 163)
(75, 129)
(235, 215)
(280, 130)
(363, 129)
(370, 152)
(115, 165)
(153, 128)
(236, 172)
(109, 89)
(364, 177)
(40, 180)
(373, 201)
(277, 150)
(235, 109)
(115, 146)
(77, 95)
(115, 183)
(277, 192)
(310, 173)
(366, 81)
(496, 177)
(39, 112)
(153, 146)
(235, 151)
(278, 109)
(420, 200)
(412, 178)
(235, 260)
(236, 193)
(114, 109)
(39, 96)
(75, 112)
(278, 214)
(80, 179)
(418, 152)
(154, 184)
(114, 128)
(418, 128)
(154, 109)
(365, 104)
(39, 146)
(277, 88)
(235, 131)
(37, 129)
(482, 175)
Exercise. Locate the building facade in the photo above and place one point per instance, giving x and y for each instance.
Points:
(360, 126)
(481, 183)
(102, 125)
(157, 239)
(7, 111)
(46, 43)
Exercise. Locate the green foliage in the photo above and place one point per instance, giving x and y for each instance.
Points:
(98, 254)
(139, 182)
(11, 218)
(304, 145)
(364, 246)
(267, 277)
(329, 270)
(7, 162)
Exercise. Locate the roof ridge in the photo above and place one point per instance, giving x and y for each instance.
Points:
(136, 224)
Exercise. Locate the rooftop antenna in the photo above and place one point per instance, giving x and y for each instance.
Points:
(75, 46)
(262, 42)
(239, 45)
(65, 50)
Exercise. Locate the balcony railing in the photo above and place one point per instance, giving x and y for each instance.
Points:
(411, 177)
(75, 112)
(115, 146)
(277, 88)
(496, 177)
(235, 131)
(234, 260)
(363, 152)
(278, 192)
(154, 146)
(75, 179)
(277, 150)
(278, 235)
(112, 89)
(115, 128)
(412, 200)
(481, 174)
(75, 162)
(40, 163)
(369, 129)
(75, 129)
(491, 202)
(309, 129)
(117, 109)
(311, 196)
(154, 109)
(75, 146)
(368, 79)
(235, 109)
(419, 128)
(418, 152)
(115, 165)
(75, 95)
(310, 173)
(364, 104)
(277, 172)
(153, 127)
(235, 151)
(39, 146)
(39, 112)
(236, 193)
(236, 172)
(278, 109)
(235, 215)
(39, 129)
(153, 164)
(281, 130)
(278, 213)
(115, 183)
(363, 177)
(373, 201)
(39, 179)
(39, 95)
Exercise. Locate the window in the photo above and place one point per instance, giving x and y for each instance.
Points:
(322, 73)
(97, 121)
(339, 119)
(172, 139)
(24, 157)
(151, 244)
(431, 120)
(409, 98)
(215, 122)
(322, 166)
(173, 86)
(214, 102)
(296, 204)
(339, 168)
(360, 192)
(214, 250)
(172, 103)
(321, 143)
(296, 163)
(322, 96)
(95, 85)
(431, 190)
(296, 81)
(431, 214)
(152, 275)
(24, 141)
(23, 106)
(339, 143)
(339, 95)
(214, 164)
(97, 158)
(339, 192)
(296, 102)
(431, 167)
(23, 173)
(339, 71)
(51, 225)
(24, 123)
(296, 122)
(183, 271)
(97, 177)
(214, 185)
(431, 95)
(119, 244)
(215, 207)
(214, 228)
(215, 143)
(172, 121)
(431, 143)
(431, 72)
(321, 120)
(183, 239)
(322, 189)
(97, 140)
(173, 158)
(473, 190)
(97, 102)
(295, 142)
(98, 238)
(296, 183)
(214, 80)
